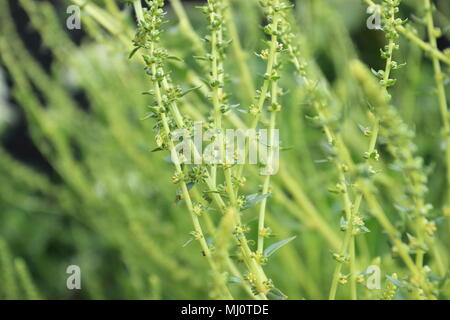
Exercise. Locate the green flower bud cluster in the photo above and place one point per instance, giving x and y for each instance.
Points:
(340, 258)
(389, 9)
(358, 226)
(276, 28)
(149, 30)
(214, 12)
(399, 142)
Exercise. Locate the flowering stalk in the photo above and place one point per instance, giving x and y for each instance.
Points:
(305, 210)
(257, 276)
(433, 33)
(390, 7)
(342, 160)
(215, 12)
(400, 145)
(410, 35)
(343, 164)
(414, 179)
(354, 224)
(272, 13)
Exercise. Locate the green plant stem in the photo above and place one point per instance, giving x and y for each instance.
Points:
(371, 149)
(419, 42)
(348, 235)
(242, 241)
(419, 203)
(352, 254)
(443, 107)
(274, 101)
(230, 264)
(349, 240)
(197, 227)
(218, 278)
(215, 77)
(442, 98)
(196, 223)
(433, 51)
(337, 269)
(348, 213)
(216, 64)
(388, 68)
(217, 93)
(272, 60)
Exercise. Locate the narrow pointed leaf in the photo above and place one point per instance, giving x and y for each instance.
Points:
(253, 199)
(277, 245)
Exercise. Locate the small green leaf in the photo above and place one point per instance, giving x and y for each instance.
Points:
(361, 128)
(253, 199)
(367, 272)
(312, 118)
(175, 58)
(343, 224)
(133, 52)
(148, 115)
(211, 191)
(149, 93)
(379, 74)
(234, 280)
(277, 245)
(190, 90)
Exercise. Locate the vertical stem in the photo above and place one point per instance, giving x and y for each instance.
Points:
(197, 227)
(337, 270)
(265, 87)
(439, 78)
(352, 254)
(266, 185)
